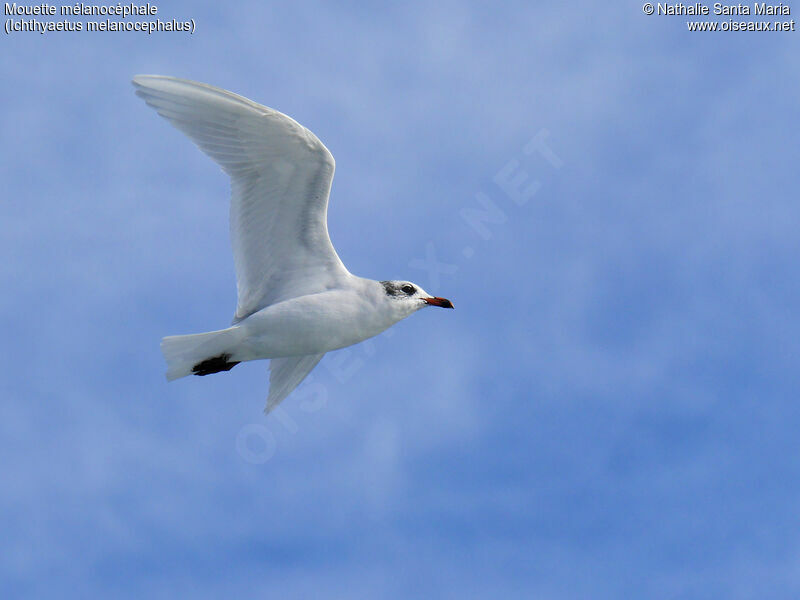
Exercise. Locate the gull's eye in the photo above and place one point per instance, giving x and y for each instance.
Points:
(408, 289)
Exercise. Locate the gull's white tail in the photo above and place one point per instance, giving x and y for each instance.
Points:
(201, 353)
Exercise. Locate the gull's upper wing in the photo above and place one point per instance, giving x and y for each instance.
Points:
(280, 178)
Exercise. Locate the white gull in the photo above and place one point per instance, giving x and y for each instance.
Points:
(297, 300)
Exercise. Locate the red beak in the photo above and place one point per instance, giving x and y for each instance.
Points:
(443, 302)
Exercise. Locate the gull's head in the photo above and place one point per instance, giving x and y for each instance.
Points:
(405, 297)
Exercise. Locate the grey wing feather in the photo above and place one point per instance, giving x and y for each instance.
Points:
(285, 374)
(280, 180)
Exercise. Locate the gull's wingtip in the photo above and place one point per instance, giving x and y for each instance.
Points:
(146, 80)
(139, 80)
(271, 405)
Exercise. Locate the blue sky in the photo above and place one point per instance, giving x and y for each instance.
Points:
(611, 410)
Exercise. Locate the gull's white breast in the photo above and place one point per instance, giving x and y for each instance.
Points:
(312, 324)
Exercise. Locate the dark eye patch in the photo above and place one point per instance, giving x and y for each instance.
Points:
(391, 289)
(408, 290)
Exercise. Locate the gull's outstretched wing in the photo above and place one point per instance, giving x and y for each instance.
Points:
(285, 374)
(280, 178)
